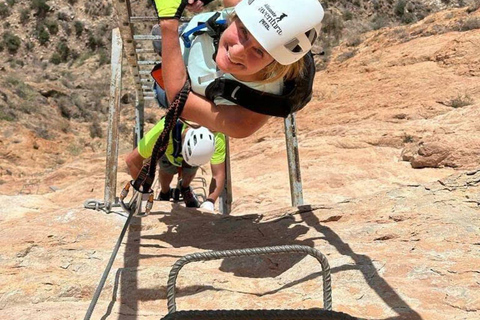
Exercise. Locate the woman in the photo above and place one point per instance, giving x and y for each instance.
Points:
(263, 44)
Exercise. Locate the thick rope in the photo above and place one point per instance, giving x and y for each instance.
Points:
(214, 255)
(173, 113)
(146, 177)
(96, 295)
(308, 314)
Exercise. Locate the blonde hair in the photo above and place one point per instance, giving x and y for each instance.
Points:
(275, 70)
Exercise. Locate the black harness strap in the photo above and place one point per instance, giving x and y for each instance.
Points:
(296, 93)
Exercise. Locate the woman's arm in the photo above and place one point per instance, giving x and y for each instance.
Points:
(234, 121)
(217, 182)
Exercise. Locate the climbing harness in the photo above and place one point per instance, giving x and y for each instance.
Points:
(316, 313)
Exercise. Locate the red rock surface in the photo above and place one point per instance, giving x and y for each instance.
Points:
(402, 242)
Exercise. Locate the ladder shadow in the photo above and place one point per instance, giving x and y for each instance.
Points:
(215, 232)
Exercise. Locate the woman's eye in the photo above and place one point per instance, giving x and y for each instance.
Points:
(259, 52)
(244, 32)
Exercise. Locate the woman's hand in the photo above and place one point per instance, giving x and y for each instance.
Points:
(195, 6)
(168, 9)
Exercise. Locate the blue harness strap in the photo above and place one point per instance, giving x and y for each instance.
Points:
(177, 139)
(201, 28)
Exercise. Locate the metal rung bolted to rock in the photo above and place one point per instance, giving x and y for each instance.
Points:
(277, 314)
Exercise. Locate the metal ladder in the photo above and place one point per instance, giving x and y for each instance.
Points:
(125, 40)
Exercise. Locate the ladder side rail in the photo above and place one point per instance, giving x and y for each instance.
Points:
(226, 197)
(293, 158)
(113, 120)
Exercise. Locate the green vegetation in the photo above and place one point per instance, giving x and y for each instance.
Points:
(42, 34)
(11, 42)
(407, 138)
(41, 7)
(470, 24)
(94, 42)
(78, 25)
(96, 129)
(11, 3)
(399, 8)
(379, 21)
(52, 26)
(24, 15)
(4, 10)
(104, 58)
(461, 101)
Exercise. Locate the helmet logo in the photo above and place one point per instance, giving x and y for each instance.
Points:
(271, 18)
(283, 15)
(250, 2)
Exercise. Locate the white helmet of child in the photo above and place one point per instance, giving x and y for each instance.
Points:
(198, 146)
(286, 29)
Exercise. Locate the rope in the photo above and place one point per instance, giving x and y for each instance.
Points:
(98, 205)
(146, 177)
(96, 295)
(316, 314)
(214, 255)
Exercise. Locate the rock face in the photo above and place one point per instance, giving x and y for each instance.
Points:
(402, 242)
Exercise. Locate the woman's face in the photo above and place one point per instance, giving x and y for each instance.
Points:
(240, 54)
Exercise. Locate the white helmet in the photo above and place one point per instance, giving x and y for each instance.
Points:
(286, 29)
(198, 146)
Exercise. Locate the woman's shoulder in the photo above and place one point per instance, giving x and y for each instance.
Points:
(274, 87)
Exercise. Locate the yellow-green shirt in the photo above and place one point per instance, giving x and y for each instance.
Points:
(145, 147)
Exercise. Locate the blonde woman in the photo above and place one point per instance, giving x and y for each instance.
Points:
(262, 47)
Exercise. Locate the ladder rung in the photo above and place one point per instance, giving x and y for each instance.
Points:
(149, 98)
(144, 72)
(151, 18)
(141, 37)
(145, 51)
(146, 80)
(149, 88)
(147, 62)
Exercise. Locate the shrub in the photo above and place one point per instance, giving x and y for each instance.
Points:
(408, 18)
(470, 24)
(379, 21)
(474, 6)
(94, 42)
(4, 10)
(104, 58)
(63, 16)
(460, 101)
(354, 41)
(399, 8)
(347, 15)
(52, 26)
(333, 25)
(41, 8)
(55, 58)
(24, 15)
(96, 130)
(11, 3)
(7, 113)
(63, 51)
(78, 28)
(42, 35)
(11, 41)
